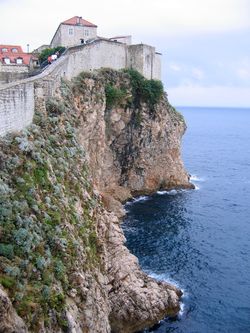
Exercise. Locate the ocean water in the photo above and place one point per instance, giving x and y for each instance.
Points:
(200, 239)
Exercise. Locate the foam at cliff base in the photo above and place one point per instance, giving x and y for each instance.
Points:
(194, 179)
(171, 192)
(138, 199)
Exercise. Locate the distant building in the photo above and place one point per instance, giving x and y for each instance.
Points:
(14, 63)
(14, 55)
(74, 31)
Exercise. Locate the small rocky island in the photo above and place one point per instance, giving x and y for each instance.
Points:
(104, 137)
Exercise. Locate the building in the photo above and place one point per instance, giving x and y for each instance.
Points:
(14, 63)
(77, 32)
(74, 31)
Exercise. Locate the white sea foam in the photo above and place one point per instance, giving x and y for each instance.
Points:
(162, 192)
(164, 277)
(182, 310)
(137, 199)
(171, 192)
(196, 178)
(141, 198)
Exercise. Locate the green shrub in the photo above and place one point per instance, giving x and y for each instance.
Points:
(7, 250)
(143, 90)
(114, 96)
(7, 281)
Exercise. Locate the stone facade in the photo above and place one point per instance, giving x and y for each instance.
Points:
(16, 107)
(144, 58)
(74, 32)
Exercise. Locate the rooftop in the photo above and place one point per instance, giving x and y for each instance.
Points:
(14, 52)
(78, 20)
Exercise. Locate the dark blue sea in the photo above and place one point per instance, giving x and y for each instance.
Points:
(200, 239)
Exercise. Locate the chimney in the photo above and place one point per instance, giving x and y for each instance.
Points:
(78, 21)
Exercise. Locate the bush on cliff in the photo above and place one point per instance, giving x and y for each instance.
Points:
(143, 90)
(114, 96)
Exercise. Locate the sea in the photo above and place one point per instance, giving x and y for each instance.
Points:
(200, 239)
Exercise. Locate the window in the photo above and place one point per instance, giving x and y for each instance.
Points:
(7, 61)
(86, 32)
(14, 50)
(4, 49)
(19, 61)
(71, 31)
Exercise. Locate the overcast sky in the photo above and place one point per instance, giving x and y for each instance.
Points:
(205, 43)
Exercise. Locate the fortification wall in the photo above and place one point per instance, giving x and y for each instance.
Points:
(157, 66)
(18, 100)
(97, 55)
(143, 58)
(16, 107)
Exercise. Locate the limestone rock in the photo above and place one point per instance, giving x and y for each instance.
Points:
(9, 320)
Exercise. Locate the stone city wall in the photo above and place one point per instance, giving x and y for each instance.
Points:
(18, 99)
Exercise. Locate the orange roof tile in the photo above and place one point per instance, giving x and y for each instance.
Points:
(76, 20)
(14, 52)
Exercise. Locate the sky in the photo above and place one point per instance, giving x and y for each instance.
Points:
(205, 45)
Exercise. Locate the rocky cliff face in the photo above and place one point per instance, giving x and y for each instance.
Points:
(63, 263)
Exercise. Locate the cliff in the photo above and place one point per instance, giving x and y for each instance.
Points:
(104, 137)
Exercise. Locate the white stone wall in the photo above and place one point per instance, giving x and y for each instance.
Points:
(96, 55)
(16, 107)
(63, 37)
(157, 66)
(143, 58)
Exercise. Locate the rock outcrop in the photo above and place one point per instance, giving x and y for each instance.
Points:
(64, 265)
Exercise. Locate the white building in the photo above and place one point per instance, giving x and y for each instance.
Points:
(73, 32)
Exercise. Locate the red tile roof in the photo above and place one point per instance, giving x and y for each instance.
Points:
(76, 20)
(14, 52)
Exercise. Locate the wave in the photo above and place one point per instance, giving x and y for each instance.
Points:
(172, 192)
(196, 178)
(164, 277)
(137, 199)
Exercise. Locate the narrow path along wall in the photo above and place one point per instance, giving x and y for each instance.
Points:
(18, 99)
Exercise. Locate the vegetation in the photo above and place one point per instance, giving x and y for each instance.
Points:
(114, 96)
(49, 51)
(45, 191)
(143, 90)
